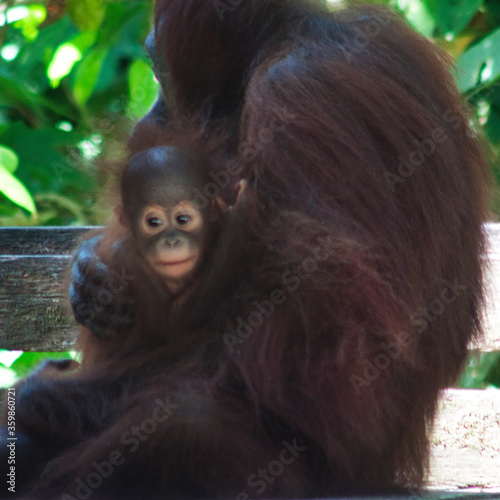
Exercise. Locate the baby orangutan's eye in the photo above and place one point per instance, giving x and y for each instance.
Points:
(154, 222)
(183, 219)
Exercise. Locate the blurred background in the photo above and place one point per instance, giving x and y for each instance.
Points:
(74, 78)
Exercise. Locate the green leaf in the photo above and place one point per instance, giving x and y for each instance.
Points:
(51, 162)
(15, 191)
(143, 88)
(30, 360)
(87, 73)
(87, 14)
(493, 11)
(62, 63)
(17, 95)
(7, 358)
(24, 86)
(418, 15)
(29, 24)
(84, 41)
(33, 58)
(123, 37)
(478, 368)
(452, 16)
(8, 159)
(479, 65)
(492, 126)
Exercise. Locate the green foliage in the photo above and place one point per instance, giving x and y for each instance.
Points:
(16, 364)
(73, 79)
(10, 186)
(483, 370)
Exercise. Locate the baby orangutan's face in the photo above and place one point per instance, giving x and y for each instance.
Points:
(172, 240)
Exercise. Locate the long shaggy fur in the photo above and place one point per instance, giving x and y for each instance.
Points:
(320, 375)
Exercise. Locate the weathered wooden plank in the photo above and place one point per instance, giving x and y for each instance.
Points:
(17, 242)
(466, 441)
(33, 311)
(39, 240)
(491, 314)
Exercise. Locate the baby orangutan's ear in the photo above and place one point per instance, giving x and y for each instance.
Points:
(121, 216)
(241, 189)
(218, 207)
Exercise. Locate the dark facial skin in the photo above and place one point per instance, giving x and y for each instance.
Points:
(171, 233)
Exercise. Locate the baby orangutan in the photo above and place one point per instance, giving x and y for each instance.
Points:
(176, 249)
(180, 258)
(171, 232)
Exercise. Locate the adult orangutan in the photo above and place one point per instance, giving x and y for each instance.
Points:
(320, 372)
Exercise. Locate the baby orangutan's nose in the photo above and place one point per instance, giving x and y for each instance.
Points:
(172, 240)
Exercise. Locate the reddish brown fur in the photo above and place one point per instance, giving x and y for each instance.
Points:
(347, 117)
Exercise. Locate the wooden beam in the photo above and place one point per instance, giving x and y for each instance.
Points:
(491, 313)
(40, 240)
(33, 291)
(34, 268)
(34, 313)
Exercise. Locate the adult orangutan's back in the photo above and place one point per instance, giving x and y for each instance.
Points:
(376, 157)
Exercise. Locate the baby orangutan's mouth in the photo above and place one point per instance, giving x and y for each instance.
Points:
(173, 262)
